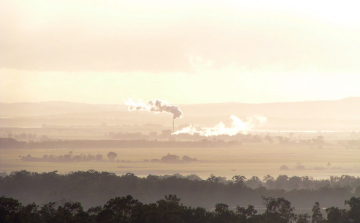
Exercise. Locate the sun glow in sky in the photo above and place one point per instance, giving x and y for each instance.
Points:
(181, 51)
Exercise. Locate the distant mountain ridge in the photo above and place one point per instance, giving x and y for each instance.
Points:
(53, 108)
(345, 109)
(337, 115)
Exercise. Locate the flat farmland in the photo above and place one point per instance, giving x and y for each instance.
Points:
(258, 159)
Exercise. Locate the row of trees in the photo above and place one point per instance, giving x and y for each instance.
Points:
(316, 142)
(304, 182)
(171, 158)
(169, 210)
(70, 157)
(93, 188)
(10, 143)
(219, 141)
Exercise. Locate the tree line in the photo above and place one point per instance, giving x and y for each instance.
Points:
(93, 188)
(126, 209)
(173, 142)
(10, 143)
(70, 157)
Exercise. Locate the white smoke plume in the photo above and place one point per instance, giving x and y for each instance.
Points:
(237, 126)
(157, 106)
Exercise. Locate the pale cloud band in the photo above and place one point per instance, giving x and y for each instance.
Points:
(186, 52)
(171, 37)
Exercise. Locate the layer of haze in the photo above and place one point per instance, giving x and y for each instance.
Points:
(184, 52)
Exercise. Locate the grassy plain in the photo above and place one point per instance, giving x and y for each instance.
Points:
(258, 159)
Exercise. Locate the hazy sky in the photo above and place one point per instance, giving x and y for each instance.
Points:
(180, 51)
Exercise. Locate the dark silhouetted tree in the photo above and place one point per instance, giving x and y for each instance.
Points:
(354, 212)
(9, 209)
(120, 209)
(245, 213)
(303, 218)
(336, 215)
(278, 210)
(317, 216)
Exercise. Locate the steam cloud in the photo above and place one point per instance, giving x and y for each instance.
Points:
(237, 126)
(157, 106)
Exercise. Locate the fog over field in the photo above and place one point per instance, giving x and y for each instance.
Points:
(271, 142)
(189, 111)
